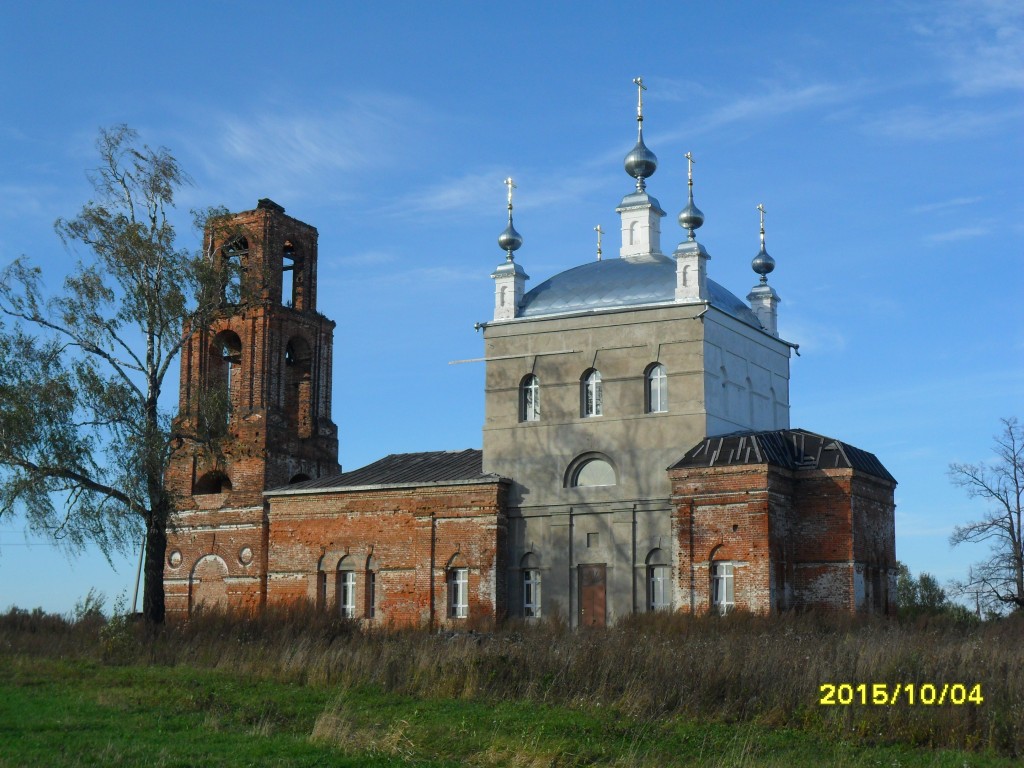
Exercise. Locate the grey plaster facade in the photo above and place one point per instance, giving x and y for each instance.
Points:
(723, 375)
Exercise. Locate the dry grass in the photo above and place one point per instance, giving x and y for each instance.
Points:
(765, 670)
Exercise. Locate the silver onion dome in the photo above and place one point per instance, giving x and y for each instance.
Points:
(510, 240)
(640, 163)
(763, 264)
(691, 216)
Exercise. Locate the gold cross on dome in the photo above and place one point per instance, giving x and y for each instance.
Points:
(640, 88)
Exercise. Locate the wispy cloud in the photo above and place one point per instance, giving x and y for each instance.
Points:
(813, 336)
(960, 233)
(480, 192)
(944, 205)
(310, 153)
(920, 124)
(978, 43)
(774, 101)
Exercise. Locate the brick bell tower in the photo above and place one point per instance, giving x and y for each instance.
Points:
(258, 379)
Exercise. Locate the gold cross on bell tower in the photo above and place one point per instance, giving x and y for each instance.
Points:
(640, 88)
(511, 185)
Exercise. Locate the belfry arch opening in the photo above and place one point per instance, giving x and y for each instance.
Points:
(292, 283)
(297, 385)
(223, 381)
(233, 258)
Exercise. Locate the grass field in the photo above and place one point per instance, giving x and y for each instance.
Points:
(299, 692)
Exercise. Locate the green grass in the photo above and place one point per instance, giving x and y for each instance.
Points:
(76, 712)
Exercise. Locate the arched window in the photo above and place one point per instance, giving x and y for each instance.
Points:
(233, 257)
(722, 587)
(591, 393)
(297, 394)
(529, 399)
(530, 566)
(222, 380)
(659, 588)
(457, 579)
(288, 274)
(346, 588)
(657, 388)
(588, 470)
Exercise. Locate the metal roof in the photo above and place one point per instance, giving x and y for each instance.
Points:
(430, 467)
(788, 448)
(613, 283)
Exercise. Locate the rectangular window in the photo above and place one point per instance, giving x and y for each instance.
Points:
(531, 593)
(321, 591)
(458, 593)
(658, 588)
(593, 540)
(347, 594)
(722, 587)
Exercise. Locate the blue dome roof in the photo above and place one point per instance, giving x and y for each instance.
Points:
(615, 283)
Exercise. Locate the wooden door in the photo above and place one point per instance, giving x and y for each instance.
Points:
(593, 608)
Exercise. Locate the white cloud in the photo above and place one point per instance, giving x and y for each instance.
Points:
(954, 235)
(812, 336)
(482, 192)
(978, 43)
(304, 154)
(918, 123)
(957, 202)
(773, 101)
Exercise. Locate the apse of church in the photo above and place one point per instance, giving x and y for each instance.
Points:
(637, 449)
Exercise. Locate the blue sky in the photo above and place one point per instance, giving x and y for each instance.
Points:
(883, 139)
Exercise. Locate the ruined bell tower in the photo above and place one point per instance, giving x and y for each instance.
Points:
(256, 382)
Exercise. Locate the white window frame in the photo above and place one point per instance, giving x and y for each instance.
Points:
(659, 596)
(347, 594)
(723, 586)
(657, 389)
(529, 399)
(593, 394)
(458, 593)
(531, 593)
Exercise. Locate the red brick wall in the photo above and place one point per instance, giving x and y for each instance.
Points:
(804, 539)
(412, 534)
(235, 538)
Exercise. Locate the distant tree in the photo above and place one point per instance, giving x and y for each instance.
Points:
(906, 588)
(998, 581)
(920, 595)
(83, 443)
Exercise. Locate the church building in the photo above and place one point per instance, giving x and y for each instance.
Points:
(637, 451)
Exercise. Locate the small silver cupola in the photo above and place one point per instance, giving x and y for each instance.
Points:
(510, 240)
(762, 264)
(690, 217)
(640, 163)
(764, 301)
(509, 277)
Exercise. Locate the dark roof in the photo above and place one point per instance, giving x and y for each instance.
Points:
(430, 467)
(788, 448)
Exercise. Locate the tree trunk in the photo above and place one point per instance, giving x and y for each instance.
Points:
(153, 608)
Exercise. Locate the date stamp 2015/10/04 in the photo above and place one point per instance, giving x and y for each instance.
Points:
(890, 694)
